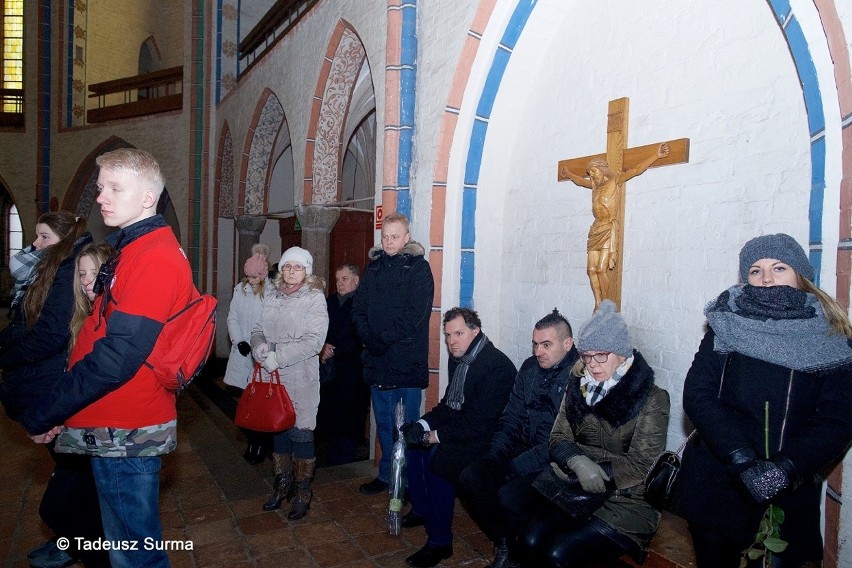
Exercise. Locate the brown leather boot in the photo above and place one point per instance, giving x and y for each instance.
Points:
(304, 473)
(282, 487)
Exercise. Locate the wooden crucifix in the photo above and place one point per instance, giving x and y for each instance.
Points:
(605, 175)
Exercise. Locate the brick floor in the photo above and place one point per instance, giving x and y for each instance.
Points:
(211, 498)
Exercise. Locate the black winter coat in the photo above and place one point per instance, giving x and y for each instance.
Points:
(32, 359)
(524, 429)
(344, 398)
(464, 434)
(391, 312)
(816, 429)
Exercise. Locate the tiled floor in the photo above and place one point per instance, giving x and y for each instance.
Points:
(211, 498)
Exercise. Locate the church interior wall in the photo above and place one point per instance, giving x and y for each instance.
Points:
(112, 49)
(723, 78)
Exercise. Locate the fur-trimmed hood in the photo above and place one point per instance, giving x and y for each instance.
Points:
(623, 402)
(413, 248)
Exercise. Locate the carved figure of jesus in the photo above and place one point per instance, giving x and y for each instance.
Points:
(602, 245)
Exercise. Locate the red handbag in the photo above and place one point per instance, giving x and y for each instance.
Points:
(265, 407)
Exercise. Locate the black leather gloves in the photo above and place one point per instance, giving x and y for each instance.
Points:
(413, 434)
(244, 348)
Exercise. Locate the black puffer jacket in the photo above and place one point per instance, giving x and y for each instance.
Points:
(34, 358)
(391, 313)
(524, 430)
(817, 429)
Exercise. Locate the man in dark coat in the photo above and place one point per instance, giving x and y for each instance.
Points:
(450, 436)
(497, 488)
(391, 312)
(344, 397)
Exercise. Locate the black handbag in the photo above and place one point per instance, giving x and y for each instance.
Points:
(662, 475)
(569, 495)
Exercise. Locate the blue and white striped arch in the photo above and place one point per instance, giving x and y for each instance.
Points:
(816, 122)
(805, 68)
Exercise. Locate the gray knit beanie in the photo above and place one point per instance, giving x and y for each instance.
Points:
(779, 246)
(605, 331)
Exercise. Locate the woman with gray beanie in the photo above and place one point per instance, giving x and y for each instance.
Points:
(610, 428)
(769, 393)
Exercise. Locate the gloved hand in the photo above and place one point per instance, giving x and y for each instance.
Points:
(413, 434)
(244, 348)
(592, 476)
(260, 352)
(271, 362)
(764, 480)
(559, 472)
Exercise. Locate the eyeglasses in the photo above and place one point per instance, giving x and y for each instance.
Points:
(292, 268)
(598, 357)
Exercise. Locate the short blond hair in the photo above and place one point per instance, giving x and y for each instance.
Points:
(397, 218)
(137, 162)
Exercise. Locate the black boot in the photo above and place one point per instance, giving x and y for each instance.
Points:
(304, 473)
(283, 487)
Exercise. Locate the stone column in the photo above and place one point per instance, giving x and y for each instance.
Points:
(316, 222)
(249, 228)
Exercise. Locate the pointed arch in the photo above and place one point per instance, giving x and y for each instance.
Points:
(82, 192)
(344, 58)
(224, 182)
(259, 147)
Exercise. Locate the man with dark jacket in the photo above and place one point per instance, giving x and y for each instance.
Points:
(112, 404)
(344, 398)
(497, 488)
(450, 436)
(391, 312)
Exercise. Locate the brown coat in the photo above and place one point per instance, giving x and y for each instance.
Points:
(627, 428)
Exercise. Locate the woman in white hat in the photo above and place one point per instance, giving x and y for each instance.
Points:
(289, 337)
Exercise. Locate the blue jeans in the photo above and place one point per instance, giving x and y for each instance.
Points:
(384, 408)
(432, 497)
(129, 493)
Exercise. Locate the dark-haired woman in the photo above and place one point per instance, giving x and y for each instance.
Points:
(33, 352)
(773, 372)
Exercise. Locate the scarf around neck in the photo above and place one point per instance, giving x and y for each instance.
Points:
(23, 268)
(594, 390)
(777, 324)
(455, 394)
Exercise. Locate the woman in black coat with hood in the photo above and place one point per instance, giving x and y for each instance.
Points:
(774, 366)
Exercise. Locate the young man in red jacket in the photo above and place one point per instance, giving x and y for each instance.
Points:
(112, 406)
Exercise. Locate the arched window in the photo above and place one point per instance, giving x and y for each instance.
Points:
(16, 232)
(12, 88)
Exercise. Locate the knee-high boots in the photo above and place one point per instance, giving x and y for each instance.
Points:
(304, 475)
(282, 487)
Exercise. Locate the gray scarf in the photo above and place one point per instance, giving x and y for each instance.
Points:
(455, 392)
(779, 325)
(23, 268)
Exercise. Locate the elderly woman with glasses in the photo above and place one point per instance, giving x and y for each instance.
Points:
(288, 338)
(610, 428)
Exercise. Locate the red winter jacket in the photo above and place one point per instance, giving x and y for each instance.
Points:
(108, 384)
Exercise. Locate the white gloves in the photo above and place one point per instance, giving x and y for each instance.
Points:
(590, 474)
(260, 352)
(271, 362)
